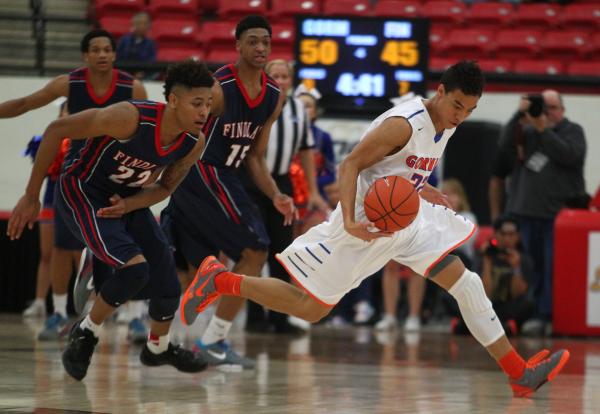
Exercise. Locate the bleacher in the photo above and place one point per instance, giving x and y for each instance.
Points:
(540, 38)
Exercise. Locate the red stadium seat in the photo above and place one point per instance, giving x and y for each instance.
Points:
(444, 13)
(208, 5)
(437, 40)
(174, 32)
(347, 7)
(174, 9)
(584, 68)
(397, 8)
(538, 16)
(440, 64)
(235, 9)
(222, 56)
(116, 25)
(283, 33)
(174, 54)
(539, 67)
(498, 14)
(465, 43)
(581, 16)
(594, 48)
(565, 44)
(517, 44)
(124, 8)
(286, 9)
(495, 65)
(218, 35)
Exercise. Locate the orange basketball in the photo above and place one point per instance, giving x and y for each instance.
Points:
(391, 203)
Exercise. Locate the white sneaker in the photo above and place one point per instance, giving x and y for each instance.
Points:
(364, 312)
(299, 323)
(387, 323)
(412, 324)
(37, 308)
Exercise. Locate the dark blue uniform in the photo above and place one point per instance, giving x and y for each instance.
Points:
(210, 210)
(82, 97)
(107, 166)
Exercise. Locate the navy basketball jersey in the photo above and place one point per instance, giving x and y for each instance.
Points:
(111, 166)
(229, 136)
(82, 97)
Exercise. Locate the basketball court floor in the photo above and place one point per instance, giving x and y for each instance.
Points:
(347, 370)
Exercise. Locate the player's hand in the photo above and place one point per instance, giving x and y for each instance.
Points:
(24, 214)
(285, 205)
(365, 231)
(435, 196)
(315, 201)
(116, 210)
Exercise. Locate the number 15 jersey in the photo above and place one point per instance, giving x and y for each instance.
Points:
(230, 135)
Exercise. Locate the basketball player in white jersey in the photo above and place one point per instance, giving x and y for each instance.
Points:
(334, 257)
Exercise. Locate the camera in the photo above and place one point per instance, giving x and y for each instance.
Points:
(537, 105)
(493, 249)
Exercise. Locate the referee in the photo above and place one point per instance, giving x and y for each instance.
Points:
(290, 134)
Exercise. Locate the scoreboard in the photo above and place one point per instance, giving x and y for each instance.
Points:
(360, 63)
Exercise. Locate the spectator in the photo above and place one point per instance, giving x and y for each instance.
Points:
(543, 153)
(136, 47)
(459, 201)
(392, 273)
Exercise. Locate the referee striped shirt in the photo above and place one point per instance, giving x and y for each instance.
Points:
(289, 134)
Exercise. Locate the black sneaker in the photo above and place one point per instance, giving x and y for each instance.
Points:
(182, 359)
(77, 356)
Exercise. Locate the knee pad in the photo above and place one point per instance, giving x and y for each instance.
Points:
(125, 284)
(163, 309)
(476, 309)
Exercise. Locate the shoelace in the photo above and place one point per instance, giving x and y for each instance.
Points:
(538, 358)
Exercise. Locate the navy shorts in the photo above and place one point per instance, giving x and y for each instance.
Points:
(64, 238)
(116, 241)
(211, 212)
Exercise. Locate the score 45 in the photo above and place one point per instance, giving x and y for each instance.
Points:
(405, 53)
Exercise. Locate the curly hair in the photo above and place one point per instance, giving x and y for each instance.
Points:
(87, 38)
(189, 74)
(252, 22)
(466, 76)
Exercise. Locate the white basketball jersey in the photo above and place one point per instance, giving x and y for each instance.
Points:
(417, 159)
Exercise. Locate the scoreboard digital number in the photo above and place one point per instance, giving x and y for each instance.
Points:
(357, 61)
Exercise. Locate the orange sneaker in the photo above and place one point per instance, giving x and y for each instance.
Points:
(202, 291)
(539, 369)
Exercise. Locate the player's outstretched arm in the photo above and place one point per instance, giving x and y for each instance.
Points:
(54, 89)
(119, 121)
(259, 171)
(387, 138)
(139, 91)
(158, 191)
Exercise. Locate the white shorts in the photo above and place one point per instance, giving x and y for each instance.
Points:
(328, 262)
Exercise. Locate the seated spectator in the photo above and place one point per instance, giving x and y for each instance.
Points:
(137, 46)
(506, 274)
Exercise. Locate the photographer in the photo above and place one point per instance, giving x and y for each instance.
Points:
(543, 154)
(506, 274)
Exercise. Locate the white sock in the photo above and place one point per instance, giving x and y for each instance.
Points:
(60, 304)
(157, 344)
(39, 302)
(87, 323)
(217, 330)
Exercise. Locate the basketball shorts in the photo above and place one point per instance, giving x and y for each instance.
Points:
(116, 241)
(64, 238)
(328, 262)
(211, 212)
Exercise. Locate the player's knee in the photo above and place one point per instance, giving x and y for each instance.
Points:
(313, 311)
(470, 293)
(126, 283)
(254, 257)
(163, 309)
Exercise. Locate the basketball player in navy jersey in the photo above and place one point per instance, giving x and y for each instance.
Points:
(96, 85)
(334, 257)
(210, 211)
(130, 144)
